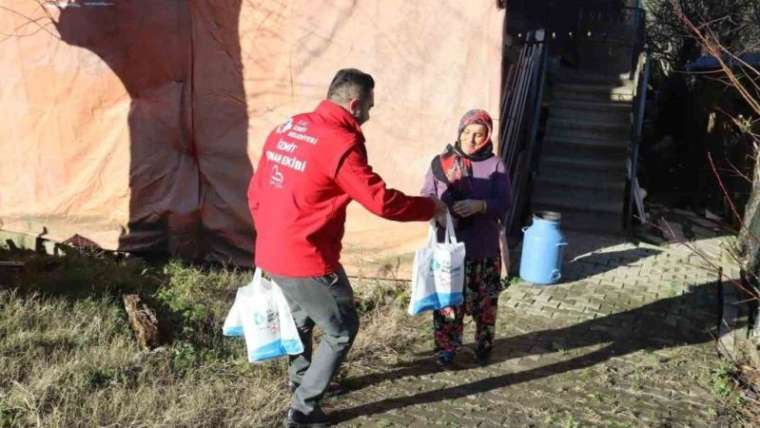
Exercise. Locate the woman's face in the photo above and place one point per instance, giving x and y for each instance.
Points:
(472, 137)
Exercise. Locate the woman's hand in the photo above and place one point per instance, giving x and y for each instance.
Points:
(469, 207)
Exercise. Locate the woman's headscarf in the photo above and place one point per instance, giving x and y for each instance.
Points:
(454, 164)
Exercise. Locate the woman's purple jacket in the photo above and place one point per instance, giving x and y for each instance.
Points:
(489, 182)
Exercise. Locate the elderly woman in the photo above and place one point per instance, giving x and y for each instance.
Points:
(473, 182)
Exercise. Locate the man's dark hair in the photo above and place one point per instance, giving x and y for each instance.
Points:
(350, 83)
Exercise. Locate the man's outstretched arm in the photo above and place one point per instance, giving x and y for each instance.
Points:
(357, 179)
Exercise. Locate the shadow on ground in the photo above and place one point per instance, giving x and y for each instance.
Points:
(584, 258)
(597, 263)
(690, 318)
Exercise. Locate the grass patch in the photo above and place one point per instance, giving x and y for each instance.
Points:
(722, 379)
(737, 386)
(68, 356)
(565, 421)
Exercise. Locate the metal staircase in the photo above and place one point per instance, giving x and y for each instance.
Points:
(582, 172)
(591, 135)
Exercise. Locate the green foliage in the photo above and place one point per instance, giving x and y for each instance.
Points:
(722, 379)
(184, 358)
(510, 281)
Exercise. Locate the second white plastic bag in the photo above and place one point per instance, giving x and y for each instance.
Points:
(261, 314)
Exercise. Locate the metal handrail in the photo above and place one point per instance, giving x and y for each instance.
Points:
(635, 201)
(521, 111)
(540, 83)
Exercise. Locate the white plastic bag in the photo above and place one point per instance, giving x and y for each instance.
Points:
(438, 272)
(261, 314)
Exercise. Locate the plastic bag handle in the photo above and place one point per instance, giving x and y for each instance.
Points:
(451, 236)
(432, 235)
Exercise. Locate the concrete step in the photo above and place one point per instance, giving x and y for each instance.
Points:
(592, 92)
(578, 200)
(582, 162)
(571, 179)
(592, 111)
(582, 128)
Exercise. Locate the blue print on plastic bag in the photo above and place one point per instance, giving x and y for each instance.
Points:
(276, 349)
(236, 331)
(446, 268)
(438, 301)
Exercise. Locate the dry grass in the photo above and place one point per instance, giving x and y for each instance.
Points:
(68, 358)
(748, 380)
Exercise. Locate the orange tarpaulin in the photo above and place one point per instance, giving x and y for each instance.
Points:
(136, 124)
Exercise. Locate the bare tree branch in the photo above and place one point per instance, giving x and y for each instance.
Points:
(35, 21)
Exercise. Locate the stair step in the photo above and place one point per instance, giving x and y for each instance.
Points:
(591, 222)
(582, 163)
(601, 145)
(571, 180)
(591, 111)
(589, 196)
(582, 128)
(589, 175)
(592, 150)
(590, 124)
(626, 88)
(580, 200)
(569, 75)
(606, 56)
(593, 105)
(590, 154)
(592, 92)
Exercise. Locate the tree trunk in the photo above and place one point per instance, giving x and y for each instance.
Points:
(749, 248)
(144, 321)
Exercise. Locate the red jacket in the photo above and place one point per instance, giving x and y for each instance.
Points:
(311, 167)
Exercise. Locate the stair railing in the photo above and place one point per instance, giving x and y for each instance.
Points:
(635, 197)
(521, 115)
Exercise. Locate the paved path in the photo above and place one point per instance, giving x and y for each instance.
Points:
(625, 340)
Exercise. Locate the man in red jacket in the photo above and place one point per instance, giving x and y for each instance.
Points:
(312, 166)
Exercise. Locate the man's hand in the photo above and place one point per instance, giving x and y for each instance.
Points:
(440, 211)
(469, 207)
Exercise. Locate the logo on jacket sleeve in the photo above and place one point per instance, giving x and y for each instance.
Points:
(276, 179)
(285, 127)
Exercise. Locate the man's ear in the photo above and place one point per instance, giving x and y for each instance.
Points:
(354, 106)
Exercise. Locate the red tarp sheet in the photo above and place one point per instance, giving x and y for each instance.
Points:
(136, 123)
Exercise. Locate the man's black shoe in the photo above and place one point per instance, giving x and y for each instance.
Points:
(316, 419)
(334, 389)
